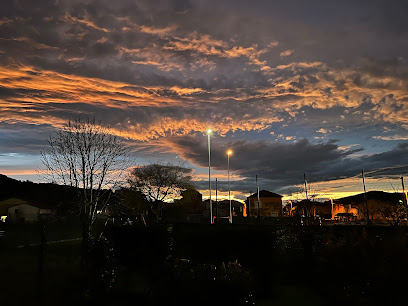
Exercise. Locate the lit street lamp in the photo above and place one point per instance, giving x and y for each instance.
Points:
(332, 216)
(290, 212)
(209, 173)
(229, 187)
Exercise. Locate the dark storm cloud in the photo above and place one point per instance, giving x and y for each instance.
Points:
(279, 165)
(394, 67)
(392, 162)
(269, 160)
(22, 138)
(89, 38)
(8, 93)
(93, 40)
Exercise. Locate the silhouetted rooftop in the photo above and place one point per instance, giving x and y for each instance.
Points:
(265, 194)
(377, 195)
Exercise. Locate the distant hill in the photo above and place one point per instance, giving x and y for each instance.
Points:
(377, 195)
(42, 193)
(223, 203)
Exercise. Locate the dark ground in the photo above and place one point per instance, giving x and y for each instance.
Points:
(200, 264)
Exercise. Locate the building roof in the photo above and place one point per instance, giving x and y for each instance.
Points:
(265, 194)
(233, 203)
(310, 203)
(376, 195)
(11, 202)
(6, 204)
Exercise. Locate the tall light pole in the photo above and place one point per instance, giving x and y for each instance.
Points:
(331, 201)
(229, 187)
(290, 212)
(216, 199)
(209, 173)
(365, 197)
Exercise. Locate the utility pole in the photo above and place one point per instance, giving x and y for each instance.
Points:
(229, 187)
(290, 212)
(305, 182)
(403, 190)
(331, 201)
(209, 174)
(259, 200)
(365, 197)
(404, 194)
(216, 197)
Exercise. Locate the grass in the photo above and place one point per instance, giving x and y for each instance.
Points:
(51, 279)
(291, 266)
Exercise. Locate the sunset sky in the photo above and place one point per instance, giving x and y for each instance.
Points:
(292, 87)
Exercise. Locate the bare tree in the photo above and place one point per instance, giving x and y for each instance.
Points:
(85, 155)
(393, 213)
(131, 201)
(160, 182)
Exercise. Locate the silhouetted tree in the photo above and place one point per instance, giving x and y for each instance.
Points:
(88, 156)
(132, 202)
(393, 213)
(160, 182)
(191, 201)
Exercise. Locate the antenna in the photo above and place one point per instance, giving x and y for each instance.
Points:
(305, 182)
(393, 187)
(403, 191)
(257, 188)
(216, 197)
(365, 197)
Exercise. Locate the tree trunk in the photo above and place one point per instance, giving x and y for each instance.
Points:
(86, 243)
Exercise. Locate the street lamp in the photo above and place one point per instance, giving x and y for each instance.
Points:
(332, 216)
(209, 173)
(229, 152)
(290, 212)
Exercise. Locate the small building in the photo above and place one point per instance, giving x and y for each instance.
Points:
(308, 208)
(221, 208)
(14, 209)
(381, 206)
(345, 217)
(191, 200)
(269, 205)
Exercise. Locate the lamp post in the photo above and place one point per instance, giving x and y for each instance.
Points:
(229, 187)
(290, 212)
(332, 216)
(209, 173)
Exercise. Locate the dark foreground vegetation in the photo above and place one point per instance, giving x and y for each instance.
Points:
(200, 264)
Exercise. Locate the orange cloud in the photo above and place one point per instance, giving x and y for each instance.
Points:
(71, 88)
(152, 56)
(157, 31)
(13, 172)
(49, 86)
(45, 86)
(85, 21)
(392, 137)
(186, 91)
(160, 32)
(207, 45)
(287, 52)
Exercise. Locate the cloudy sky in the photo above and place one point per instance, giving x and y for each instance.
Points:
(292, 87)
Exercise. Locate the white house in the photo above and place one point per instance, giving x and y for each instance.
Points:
(19, 210)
